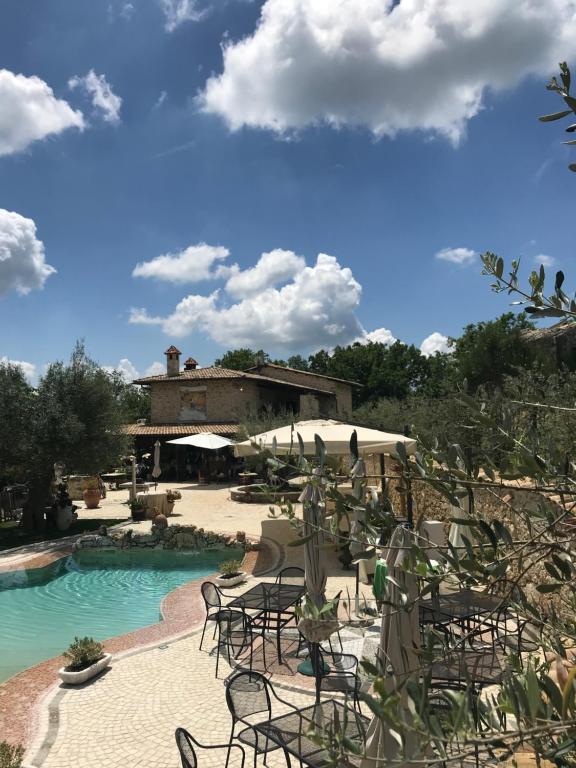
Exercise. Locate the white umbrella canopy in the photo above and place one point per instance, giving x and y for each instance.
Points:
(335, 434)
(203, 440)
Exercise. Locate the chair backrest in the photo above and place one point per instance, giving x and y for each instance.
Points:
(186, 748)
(247, 694)
(211, 595)
(291, 575)
(270, 593)
(234, 629)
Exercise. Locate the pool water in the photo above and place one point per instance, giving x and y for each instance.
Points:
(96, 593)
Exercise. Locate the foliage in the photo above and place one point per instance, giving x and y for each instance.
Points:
(173, 495)
(562, 88)
(231, 567)
(82, 653)
(134, 505)
(11, 755)
(77, 418)
(242, 359)
(133, 400)
(16, 420)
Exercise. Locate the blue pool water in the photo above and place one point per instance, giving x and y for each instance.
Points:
(95, 593)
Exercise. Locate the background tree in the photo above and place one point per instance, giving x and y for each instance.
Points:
(133, 400)
(16, 421)
(241, 359)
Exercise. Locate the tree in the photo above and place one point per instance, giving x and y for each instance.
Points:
(298, 362)
(490, 350)
(563, 90)
(16, 422)
(242, 359)
(133, 400)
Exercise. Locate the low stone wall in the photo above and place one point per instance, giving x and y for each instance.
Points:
(180, 537)
(253, 494)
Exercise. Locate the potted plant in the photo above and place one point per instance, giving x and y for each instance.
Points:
(172, 497)
(11, 755)
(230, 574)
(137, 509)
(318, 624)
(63, 511)
(87, 659)
(92, 493)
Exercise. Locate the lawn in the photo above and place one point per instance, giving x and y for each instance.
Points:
(11, 535)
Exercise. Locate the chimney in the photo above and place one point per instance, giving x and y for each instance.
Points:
(190, 364)
(172, 361)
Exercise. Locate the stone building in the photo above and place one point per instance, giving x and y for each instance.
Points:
(557, 341)
(191, 400)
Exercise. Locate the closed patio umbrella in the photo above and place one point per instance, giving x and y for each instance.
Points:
(156, 472)
(397, 652)
(459, 531)
(314, 567)
(335, 435)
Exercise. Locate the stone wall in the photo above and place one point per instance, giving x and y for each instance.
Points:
(225, 399)
(342, 390)
(180, 537)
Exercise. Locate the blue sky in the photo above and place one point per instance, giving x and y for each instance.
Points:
(379, 160)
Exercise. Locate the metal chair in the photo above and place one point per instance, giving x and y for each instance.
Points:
(235, 635)
(338, 674)
(250, 693)
(186, 742)
(212, 596)
(291, 575)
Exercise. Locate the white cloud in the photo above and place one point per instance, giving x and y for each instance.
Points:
(28, 369)
(316, 309)
(380, 336)
(125, 368)
(176, 12)
(457, 255)
(30, 112)
(156, 369)
(388, 65)
(434, 343)
(272, 268)
(161, 99)
(23, 267)
(127, 11)
(140, 316)
(104, 100)
(191, 265)
(546, 261)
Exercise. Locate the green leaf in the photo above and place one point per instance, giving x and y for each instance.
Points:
(554, 116)
(545, 588)
(298, 542)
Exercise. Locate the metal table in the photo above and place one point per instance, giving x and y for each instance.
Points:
(270, 600)
(289, 732)
(114, 479)
(469, 610)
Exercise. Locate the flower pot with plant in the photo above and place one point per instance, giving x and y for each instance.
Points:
(86, 659)
(92, 493)
(137, 509)
(230, 574)
(172, 497)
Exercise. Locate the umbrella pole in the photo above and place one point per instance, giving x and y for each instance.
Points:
(133, 489)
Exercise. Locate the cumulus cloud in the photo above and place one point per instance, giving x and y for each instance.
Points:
(31, 112)
(387, 65)
(315, 309)
(457, 255)
(104, 100)
(28, 369)
(380, 336)
(272, 268)
(546, 261)
(191, 265)
(125, 368)
(435, 343)
(177, 12)
(140, 316)
(23, 267)
(155, 369)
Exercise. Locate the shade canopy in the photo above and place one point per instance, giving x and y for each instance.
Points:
(203, 440)
(157, 471)
(335, 434)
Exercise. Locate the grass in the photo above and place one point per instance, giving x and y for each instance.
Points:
(11, 535)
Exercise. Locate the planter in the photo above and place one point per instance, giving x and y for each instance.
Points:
(317, 630)
(139, 514)
(65, 516)
(92, 498)
(230, 581)
(77, 678)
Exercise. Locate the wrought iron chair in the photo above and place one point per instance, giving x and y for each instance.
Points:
(250, 693)
(186, 743)
(235, 635)
(291, 575)
(212, 596)
(338, 674)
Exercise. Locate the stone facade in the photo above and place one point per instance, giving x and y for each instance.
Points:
(226, 399)
(341, 389)
(181, 537)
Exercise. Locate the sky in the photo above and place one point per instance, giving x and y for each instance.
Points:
(287, 174)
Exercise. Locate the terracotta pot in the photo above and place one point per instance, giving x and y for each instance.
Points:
(160, 521)
(92, 498)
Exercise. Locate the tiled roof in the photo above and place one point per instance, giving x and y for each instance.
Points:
(307, 373)
(203, 374)
(173, 430)
(172, 351)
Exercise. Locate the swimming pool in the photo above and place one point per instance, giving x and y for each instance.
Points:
(99, 593)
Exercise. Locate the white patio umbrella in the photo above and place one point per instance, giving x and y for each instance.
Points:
(398, 651)
(335, 434)
(203, 440)
(459, 531)
(156, 472)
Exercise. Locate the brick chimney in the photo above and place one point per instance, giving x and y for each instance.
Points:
(172, 361)
(190, 364)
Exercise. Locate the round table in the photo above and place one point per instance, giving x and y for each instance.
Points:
(155, 504)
